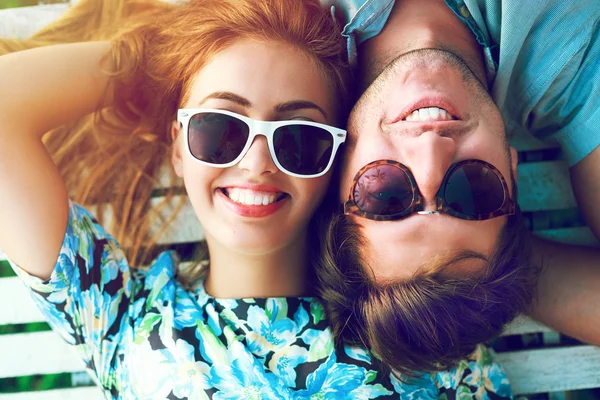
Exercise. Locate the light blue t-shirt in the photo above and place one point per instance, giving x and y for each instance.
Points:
(543, 60)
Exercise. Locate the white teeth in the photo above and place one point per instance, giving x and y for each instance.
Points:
(429, 114)
(434, 112)
(250, 197)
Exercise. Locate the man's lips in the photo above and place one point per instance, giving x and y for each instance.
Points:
(430, 102)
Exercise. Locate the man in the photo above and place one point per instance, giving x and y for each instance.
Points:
(426, 68)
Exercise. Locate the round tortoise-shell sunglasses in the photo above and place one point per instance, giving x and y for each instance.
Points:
(386, 190)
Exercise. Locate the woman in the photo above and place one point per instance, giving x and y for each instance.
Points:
(206, 75)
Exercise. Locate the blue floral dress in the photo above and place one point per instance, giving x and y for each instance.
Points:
(144, 336)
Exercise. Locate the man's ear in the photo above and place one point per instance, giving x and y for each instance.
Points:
(514, 160)
(176, 157)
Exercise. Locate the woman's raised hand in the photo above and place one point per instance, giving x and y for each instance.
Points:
(42, 89)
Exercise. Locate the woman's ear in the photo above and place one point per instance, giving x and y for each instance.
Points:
(514, 160)
(176, 156)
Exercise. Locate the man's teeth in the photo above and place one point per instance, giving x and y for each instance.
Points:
(429, 114)
(250, 197)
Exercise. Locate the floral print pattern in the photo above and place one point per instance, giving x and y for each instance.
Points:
(142, 335)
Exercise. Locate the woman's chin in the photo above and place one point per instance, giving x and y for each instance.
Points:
(251, 242)
(254, 250)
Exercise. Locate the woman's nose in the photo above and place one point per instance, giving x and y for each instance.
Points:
(257, 160)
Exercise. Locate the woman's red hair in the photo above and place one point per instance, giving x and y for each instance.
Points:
(115, 156)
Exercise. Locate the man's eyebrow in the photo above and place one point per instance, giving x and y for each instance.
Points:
(229, 97)
(443, 265)
(299, 105)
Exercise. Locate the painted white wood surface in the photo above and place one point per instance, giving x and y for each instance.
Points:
(87, 393)
(529, 371)
(552, 369)
(545, 186)
(17, 304)
(581, 235)
(185, 228)
(36, 353)
(523, 141)
(523, 325)
(20, 308)
(20, 23)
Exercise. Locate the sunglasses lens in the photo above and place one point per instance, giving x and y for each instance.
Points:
(303, 149)
(217, 138)
(383, 190)
(474, 189)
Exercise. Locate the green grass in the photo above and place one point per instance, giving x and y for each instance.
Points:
(5, 270)
(26, 3)
(24, 328)
(35, 382)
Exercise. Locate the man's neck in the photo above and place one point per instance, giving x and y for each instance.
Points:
(420, 24)
(282, 273)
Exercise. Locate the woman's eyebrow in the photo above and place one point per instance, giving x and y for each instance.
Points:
(299, 105)
(229, 97)
(280, 108)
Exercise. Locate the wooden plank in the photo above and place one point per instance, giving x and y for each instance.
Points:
(164, 178)
(88, 393)
(22, 22)
(523, 325)
(17, 305)
(582, 236)
(552, 370)
(36, 353)
(545, 186)
(529, 371)
(185, 228)
(524, 141)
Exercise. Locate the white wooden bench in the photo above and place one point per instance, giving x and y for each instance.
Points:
(544, 188)
(549, 369)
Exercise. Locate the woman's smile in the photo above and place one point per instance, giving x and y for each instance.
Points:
(254, 201)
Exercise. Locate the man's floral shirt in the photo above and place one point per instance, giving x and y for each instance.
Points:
(142, 335)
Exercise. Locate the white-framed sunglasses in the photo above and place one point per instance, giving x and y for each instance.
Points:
(220, 139)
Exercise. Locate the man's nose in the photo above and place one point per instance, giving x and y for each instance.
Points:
(428, 156)
(257, 160)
